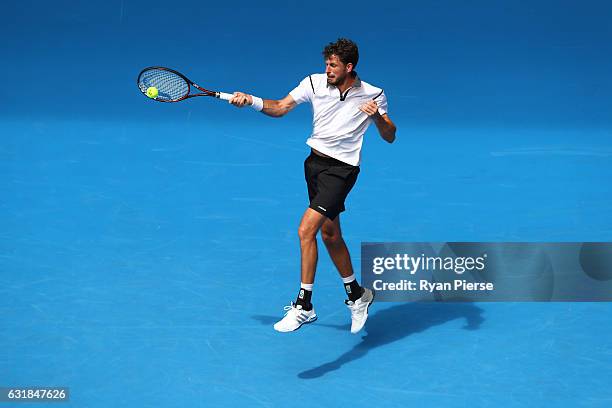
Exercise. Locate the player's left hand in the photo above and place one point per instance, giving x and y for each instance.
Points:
(370, 108)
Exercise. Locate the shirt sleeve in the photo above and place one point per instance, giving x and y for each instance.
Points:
(381, 101)
(303, 92)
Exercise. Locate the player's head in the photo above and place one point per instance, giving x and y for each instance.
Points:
(340, 60)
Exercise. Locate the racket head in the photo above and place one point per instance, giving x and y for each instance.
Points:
(172, 86)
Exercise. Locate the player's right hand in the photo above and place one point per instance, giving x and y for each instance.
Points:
(241, 99)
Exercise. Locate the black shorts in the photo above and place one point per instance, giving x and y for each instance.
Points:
(329, 182)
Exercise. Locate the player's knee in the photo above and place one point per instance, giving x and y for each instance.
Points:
(306, 233)
(331, 237)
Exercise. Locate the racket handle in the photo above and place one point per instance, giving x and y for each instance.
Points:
(224, 96)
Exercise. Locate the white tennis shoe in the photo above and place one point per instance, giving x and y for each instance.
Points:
(359, 310)
(294, 318)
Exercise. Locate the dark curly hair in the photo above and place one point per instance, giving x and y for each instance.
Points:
(344, 49)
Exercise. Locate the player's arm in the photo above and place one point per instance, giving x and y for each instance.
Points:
(385, 126)
(271, 107)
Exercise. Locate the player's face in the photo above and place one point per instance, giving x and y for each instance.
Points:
(336, 71)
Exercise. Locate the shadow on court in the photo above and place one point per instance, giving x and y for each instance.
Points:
(393, 324)
(396, 323)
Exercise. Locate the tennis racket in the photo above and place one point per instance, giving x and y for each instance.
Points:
(172, 86)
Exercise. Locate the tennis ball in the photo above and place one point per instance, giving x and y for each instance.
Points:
(152, 92)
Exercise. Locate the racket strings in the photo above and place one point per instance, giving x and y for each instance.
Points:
(170, 86)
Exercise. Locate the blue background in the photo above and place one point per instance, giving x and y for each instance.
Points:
(146, 249)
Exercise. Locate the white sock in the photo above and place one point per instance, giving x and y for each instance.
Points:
(307, 286)
(348, 279)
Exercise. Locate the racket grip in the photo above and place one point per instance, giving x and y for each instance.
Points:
(224, 96)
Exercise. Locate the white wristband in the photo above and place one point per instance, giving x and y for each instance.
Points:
(257, 103)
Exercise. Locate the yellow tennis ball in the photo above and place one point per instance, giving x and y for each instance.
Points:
(152, 92)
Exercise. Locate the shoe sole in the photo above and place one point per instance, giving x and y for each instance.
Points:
(297, 328)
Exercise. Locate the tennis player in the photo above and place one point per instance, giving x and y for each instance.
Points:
(343, 107)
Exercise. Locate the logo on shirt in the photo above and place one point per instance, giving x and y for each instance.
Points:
(322, 208)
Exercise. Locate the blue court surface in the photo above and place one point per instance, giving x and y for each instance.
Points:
(146, 249)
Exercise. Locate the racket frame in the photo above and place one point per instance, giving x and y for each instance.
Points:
(190, 83)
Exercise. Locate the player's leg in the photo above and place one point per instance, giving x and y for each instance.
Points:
(359, 299)
(336, 247)
(302, 311)
(309, 227)
(339, 253)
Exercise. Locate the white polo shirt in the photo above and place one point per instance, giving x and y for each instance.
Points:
(337, 123)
